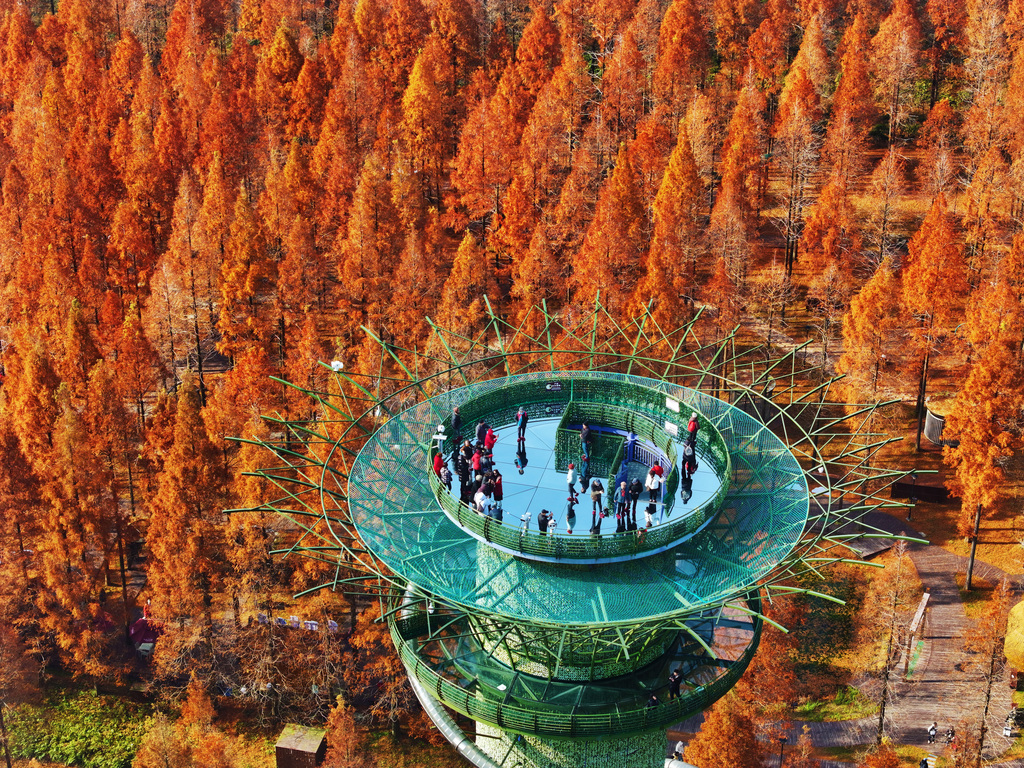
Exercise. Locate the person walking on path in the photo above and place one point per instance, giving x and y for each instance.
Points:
(522, 418)
(675, 680)
(585, 440)
(933, 729)
(691, 429)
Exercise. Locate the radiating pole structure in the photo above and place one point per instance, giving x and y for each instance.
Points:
(562, 648)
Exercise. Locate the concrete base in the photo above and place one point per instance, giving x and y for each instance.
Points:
(646, 750)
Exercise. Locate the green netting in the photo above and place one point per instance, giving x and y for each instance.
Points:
(491, 692)
(510, 538)
(395, 509)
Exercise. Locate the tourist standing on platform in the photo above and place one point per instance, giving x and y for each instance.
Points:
(543, 519)
(446, 477)
(653, 484)
(570, 478)
(621, 500)
(522, 418)
(481, 432)
(635, 488)
(456, 422)
(691, 429)
(585, 440)
(596, 492)
(499, 490)
(489, 440)
(438, 463)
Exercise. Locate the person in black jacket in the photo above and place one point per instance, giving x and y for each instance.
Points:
(635, 488)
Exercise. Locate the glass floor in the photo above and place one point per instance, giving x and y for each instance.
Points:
(540, 486)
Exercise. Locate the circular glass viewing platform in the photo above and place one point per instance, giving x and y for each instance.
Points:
(700, 552)
(632, 428)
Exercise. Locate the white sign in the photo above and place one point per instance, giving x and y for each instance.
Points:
(672, 405)
(672, 429)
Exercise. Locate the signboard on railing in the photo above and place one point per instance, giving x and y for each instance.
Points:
(672, 404)
(672, 429)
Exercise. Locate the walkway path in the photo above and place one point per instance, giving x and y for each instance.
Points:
(938, 689)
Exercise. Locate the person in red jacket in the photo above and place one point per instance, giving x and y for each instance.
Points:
(489, 440)
(438, 463)
(691, 429)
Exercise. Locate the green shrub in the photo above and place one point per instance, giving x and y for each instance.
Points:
(81, 729)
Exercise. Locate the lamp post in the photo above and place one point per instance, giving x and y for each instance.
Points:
(782, 746)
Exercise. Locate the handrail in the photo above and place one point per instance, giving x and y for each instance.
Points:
(543, 721)
(607, 546)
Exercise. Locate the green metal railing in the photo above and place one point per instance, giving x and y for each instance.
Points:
(540, 719)
(616, 411)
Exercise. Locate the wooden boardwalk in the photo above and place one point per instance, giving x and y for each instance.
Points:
(938, 689)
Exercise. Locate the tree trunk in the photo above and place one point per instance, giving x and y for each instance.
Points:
(3, 736)
(974, 548)
(922, 388)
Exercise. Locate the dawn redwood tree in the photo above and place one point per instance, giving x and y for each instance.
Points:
(678, 212)
(830, 235)
(734, 22)
(405, 26)
(853, 92)
(538, 51)
(895, 53)
(610, 260)
(869, 328)
(345, 742)
(795, 148)
(983, 419)
(426, 123)
(683, 56)
(486, 159)
(727, 738)
(984, 641)
(462, 308)
(933, 289)
(368, 253)
(196, 272)
(536, 278)
(246, 276)
(184, 570)
(941, 163)
(624, 87)
(886, 186)
(948, 20)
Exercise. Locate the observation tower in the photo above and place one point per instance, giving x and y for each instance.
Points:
(556, 646)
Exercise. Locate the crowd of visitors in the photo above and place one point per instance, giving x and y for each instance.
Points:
(480, 481)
